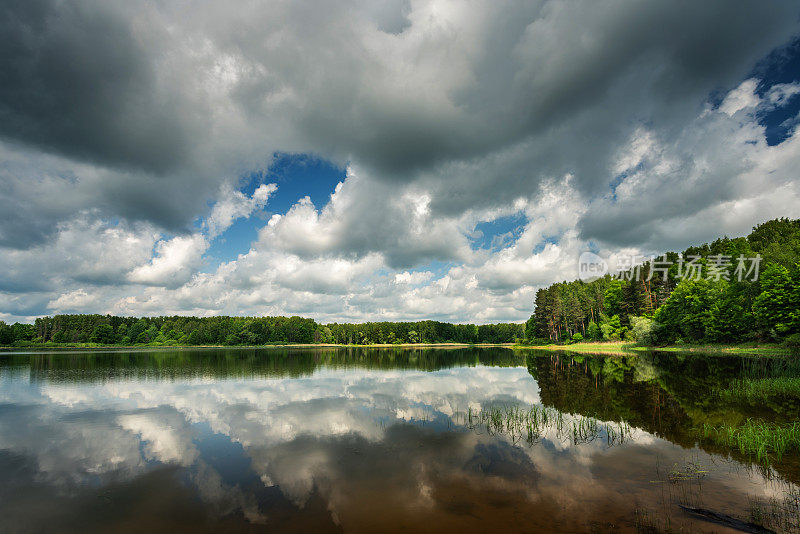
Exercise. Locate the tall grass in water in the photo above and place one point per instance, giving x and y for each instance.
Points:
(763, 379)
(754, 389)
(528, 424)
(766, 441)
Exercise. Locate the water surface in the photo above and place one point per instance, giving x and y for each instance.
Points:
(360, 440)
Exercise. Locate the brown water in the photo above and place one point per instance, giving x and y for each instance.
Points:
(244, 440)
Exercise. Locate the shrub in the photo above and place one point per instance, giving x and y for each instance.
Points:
(645, 330)
(792, 342)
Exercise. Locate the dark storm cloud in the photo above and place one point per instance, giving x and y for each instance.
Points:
(564, 95)
(571, 79)
(77, 81)
(82, 80)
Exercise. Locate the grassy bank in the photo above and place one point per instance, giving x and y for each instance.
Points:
(623, 347)
(606, 347)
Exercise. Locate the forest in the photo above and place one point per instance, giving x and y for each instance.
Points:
(223, 330)
(733, 290)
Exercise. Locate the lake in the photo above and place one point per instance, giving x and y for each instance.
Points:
(363, 440)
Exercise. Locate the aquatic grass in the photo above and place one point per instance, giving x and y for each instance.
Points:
(528, 424)
(749, 389)
(761, 380)
(764, 440)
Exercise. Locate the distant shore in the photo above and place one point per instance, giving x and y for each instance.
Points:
(95, 346)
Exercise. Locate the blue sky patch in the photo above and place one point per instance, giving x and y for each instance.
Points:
(499, 233)
(781, 66)
(549, 240)
(297, 176)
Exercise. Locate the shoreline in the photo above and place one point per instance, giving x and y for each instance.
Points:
(599, 347)
(92, 347)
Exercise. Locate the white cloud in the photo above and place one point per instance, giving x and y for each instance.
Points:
(78, 299)
(415, 278)
(703, 183)
(175, 261)
(741, 98)
(780, 94)
(235, 205)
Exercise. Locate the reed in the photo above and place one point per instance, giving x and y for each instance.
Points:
(764, 379)
(766, 441)
(760, 389)
(529, 424)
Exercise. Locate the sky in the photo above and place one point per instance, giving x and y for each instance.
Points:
(377, 160)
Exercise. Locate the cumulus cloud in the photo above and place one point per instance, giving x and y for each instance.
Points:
(175, 261)
(365, 216)
(743, 97)
(83, 249)
(178, 258)
(235, 205)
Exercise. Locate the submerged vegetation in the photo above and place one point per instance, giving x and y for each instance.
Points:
(781, 513)
(762, 383)
(765, 381)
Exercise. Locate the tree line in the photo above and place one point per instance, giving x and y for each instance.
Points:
(224, 330)
(698, 296)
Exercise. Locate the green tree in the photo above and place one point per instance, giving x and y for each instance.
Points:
(777, 241)
(593, 332)
(612, 329)
(613, 297)
(777, 308)
(688, 312)
(6, 334)
(194, 338)
(645, 330)
(103, 333)
(22, 332)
